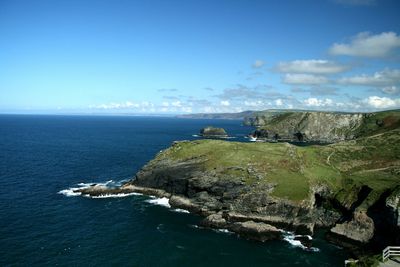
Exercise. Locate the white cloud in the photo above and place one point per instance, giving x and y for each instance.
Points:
(382, 102)
(176, 104)
(304, 79)
(386, 77)
(112, 105)
(165, 104)
(186, 109)
(146, 104)
(225, 103)
(279, 102)
(258, 103)
(258, 64)
(315, 66)
(353, 104)
(315, 102)
(366, 45)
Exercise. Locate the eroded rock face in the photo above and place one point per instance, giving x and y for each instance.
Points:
(309, 126)
(210, 193)
(233, 192)
(252, 213)
(393, 203)
(359, 230)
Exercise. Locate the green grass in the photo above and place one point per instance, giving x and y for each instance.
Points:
(373, 161)
(390, 120)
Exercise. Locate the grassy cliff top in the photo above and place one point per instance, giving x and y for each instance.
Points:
(373, 161)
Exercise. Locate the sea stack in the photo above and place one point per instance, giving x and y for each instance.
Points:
(211, 131)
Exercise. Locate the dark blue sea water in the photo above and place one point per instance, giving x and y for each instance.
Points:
(42, 155)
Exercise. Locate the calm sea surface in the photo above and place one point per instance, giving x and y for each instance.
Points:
(42, 155)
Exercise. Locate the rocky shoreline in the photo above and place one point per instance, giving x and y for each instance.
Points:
(249, 227)
(261, 190)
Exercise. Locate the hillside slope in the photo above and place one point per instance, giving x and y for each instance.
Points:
(353, 187)
(323, 126)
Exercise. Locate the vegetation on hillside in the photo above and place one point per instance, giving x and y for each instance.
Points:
(344, 167)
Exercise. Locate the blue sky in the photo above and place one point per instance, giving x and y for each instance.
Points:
(169, 57)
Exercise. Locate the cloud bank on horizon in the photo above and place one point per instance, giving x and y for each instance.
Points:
(182, 62)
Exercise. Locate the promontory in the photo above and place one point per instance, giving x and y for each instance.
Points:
(350, 187)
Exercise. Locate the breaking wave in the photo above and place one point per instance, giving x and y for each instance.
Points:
(181, 210)
(290, 238)
(160, 201)
(222, 230)
(71, 192)
(118, 195)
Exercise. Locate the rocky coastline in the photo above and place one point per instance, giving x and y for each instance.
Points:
(250, 210)
(260, 190)
(250, 227)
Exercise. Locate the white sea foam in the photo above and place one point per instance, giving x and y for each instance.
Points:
(290, 238)
(195, 135)
(70, 192)
(223, 230)
(118, 195)
(85, 184)
(160, 201)
(181, 210)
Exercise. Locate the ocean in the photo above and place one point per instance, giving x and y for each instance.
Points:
(42, 157)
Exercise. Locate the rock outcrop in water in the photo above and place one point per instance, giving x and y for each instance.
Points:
(210, 132)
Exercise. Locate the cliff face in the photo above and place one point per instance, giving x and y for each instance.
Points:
(350, 187)
(221, 191)
(322, 126)
(255, 189)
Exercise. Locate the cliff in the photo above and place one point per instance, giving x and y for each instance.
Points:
(322, 126)
(351, 187)
(255, 189)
